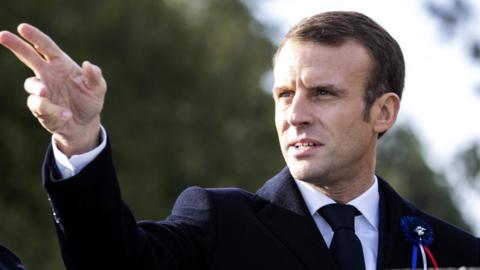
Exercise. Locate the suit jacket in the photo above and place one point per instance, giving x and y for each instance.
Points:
(8, 260)
(225, 228)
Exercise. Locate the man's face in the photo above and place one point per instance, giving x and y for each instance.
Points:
(318, 92)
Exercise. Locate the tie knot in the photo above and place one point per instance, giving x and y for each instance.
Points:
(339, 216)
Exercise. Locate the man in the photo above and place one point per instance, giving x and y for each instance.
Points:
(338, 82)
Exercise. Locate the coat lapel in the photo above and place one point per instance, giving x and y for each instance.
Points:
(287, 217)
(393, 250)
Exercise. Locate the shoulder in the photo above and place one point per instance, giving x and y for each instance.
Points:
(202, 203)
(198, 197)
(401, 207)
(451, 243)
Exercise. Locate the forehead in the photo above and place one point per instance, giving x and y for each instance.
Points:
(333, 64)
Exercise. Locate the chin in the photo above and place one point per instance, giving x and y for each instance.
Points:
(310, 172)
(304, 172)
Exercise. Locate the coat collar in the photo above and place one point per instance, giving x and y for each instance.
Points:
(287, 216)
(393, 251)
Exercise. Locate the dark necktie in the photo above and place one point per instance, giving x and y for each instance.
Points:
(346, 248)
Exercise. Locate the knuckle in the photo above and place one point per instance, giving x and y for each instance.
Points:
(28, 80)
(31, 102)
(34, 86)
(38, 105)
(103, 86)
(32, 106)
(43, 105)
(27, 83)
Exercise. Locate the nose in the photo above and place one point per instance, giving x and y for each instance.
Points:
(299, 112)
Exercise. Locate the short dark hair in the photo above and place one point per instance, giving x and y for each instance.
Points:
(388, 71)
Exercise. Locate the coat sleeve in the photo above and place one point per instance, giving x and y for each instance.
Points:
(96, 229)
(8, 260)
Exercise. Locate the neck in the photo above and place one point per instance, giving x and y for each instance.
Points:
(347, 190)
(343, 188)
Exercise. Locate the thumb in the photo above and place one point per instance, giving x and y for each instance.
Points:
(93, 74)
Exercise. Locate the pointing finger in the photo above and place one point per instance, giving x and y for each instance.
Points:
(24, 51)
(43, 43)
(35, 86)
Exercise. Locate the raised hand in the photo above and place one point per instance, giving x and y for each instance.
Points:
(65, 98)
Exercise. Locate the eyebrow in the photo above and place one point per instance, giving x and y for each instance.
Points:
(327, 87)
(280, 88)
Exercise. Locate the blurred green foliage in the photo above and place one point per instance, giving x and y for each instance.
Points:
(184, 107)
(468, 164)
(400, 160)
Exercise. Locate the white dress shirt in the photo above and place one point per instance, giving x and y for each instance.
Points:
(366, 224)
(69, 167)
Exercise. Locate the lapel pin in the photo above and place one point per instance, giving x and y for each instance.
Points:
(420, 234)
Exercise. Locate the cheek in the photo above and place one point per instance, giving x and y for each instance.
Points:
(347, 128)
(280, 122)
(349, 117)
(357, 136)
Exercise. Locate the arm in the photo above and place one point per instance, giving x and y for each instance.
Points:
(96, 229)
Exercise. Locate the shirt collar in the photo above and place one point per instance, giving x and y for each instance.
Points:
(367, 203)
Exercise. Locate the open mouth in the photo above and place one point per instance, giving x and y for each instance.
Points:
(304, 144)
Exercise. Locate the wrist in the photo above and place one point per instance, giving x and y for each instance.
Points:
(84, 140)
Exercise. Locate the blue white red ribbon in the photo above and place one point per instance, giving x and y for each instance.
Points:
(420, 234)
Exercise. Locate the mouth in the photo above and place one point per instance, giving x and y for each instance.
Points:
(303, 143)
(303, 148)
(300, 145)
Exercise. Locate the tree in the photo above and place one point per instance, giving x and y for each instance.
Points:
(456, 18)
(184, 107)
(401, 161)
(468, 163)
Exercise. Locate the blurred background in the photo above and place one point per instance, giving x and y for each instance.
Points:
(189, 103)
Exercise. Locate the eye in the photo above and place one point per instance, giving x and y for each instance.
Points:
(322, 92)
(285, 94)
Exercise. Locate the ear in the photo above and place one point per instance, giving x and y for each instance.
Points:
(384, 112)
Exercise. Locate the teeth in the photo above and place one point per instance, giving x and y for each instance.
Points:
(306, 144)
